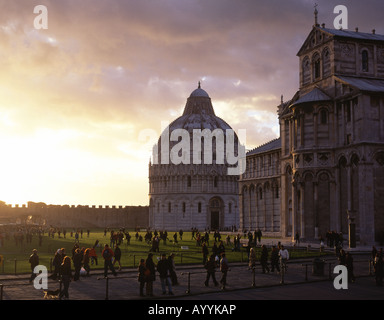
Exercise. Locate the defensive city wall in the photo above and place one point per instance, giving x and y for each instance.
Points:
(75, 216)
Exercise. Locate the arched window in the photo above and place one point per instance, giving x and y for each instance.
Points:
(316, 66)
(306, 71)
(189, 181)
(323, 116)
(364, 61)
(199, 207)
(169, 207)
(183, 207)
(215, 182)
(326, 63)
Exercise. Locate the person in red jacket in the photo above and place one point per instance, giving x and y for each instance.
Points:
(108, 255)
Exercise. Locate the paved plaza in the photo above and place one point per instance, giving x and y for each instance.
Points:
(243, 284)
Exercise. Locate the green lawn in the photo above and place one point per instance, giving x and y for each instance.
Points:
(15, 258)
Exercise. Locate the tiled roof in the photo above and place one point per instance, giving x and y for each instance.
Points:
(314, 95)
(363, 84)
(354, 34)
(269, 146)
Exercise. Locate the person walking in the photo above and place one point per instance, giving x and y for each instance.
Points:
(66, 275)
(117, 256)
(210, 266)
(150, 275)
(86, 260)
(275, 259)
(142, 276)
(284, 257)
(56, 263)
(107, 254)
(379, 269)
(224, 267)
(77, 261)
(252, 259)
(171, 261)
(165, 276)
(349, 265)
(205, 252)
(34, 261)
(264, 259)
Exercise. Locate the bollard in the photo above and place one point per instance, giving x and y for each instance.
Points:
(50, 265)
(134, 260)
(188, 291)
(306, 272)
(1, 291)
(15, 267)
(106, 288)
(329, 271)
(253, 277)
(370, 267)
(282, 271)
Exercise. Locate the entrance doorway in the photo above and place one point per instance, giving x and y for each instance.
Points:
(215, 220)
(216, 209)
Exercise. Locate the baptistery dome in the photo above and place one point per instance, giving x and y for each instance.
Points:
(194, 191)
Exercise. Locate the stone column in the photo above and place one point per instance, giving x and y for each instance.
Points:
(315, 143)
(294, 208)
(302, 210)
(315, 210)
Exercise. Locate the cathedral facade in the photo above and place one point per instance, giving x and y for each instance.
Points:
(326, 170)
(194, 190)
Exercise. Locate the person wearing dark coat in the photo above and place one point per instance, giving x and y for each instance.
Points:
(172, 270)
(164, 270)
(210, 266)
(56, 263)
(66, 275)
(205, 253)
(142, 276)
(349, 265)
(77, 262)
(275, 259)
(151, 275)
(117, 256)
(379, 269)
(264, 259)
(34, 261)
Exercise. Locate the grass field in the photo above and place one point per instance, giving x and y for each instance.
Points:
(15, 258)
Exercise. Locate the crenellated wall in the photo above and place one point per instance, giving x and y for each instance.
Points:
(76, 216)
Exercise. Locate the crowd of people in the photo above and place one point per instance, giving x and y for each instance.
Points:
(273, 259)
(166, 271)
(21, 234)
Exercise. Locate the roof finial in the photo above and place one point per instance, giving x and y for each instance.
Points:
(199, 85)
(316, 12)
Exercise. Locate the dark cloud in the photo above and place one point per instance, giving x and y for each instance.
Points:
(110, 68)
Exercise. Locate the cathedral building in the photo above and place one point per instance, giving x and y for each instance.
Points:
(194, 190)
(326, 170)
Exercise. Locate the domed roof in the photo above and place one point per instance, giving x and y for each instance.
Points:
(199, 114)
(199, 92)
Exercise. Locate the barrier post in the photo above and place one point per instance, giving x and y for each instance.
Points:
(107, 288)
(306, 272)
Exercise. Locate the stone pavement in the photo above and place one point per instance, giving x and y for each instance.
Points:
(126, 287)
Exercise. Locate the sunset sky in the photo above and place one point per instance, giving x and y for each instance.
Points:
(76, 99)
